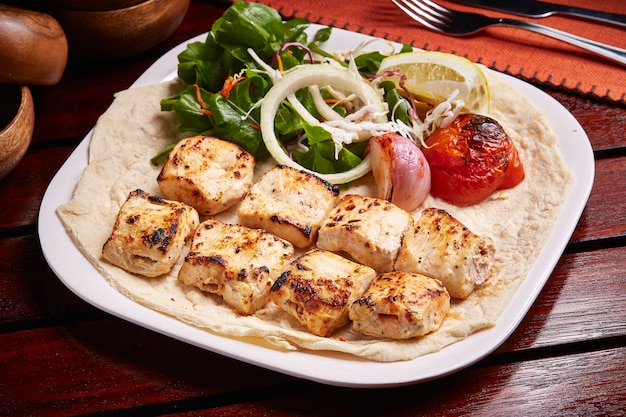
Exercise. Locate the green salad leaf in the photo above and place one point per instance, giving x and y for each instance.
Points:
(225, 85)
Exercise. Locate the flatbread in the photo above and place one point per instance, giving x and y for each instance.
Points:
(518, 221)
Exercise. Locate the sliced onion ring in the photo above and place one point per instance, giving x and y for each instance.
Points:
(304, 76)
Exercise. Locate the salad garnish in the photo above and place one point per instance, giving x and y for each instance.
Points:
(258, 81)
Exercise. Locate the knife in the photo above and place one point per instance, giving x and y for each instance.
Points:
(535, 8)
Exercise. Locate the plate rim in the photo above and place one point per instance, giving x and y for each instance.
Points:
(312, 365)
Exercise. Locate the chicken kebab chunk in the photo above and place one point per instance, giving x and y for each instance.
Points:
(289, 203)
(440, 246)
(235, 262)
(149, 234)
(400, 305)
(318, 288)
(370, 230)
(208, 173)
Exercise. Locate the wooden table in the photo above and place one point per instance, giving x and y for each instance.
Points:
(61, 356)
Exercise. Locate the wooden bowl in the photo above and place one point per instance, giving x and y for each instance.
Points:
(17, 120)
(33, 47)
(121, 32)
(95, 4)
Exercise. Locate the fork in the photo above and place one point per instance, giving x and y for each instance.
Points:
(442, 19)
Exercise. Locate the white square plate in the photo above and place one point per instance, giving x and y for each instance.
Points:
(82, 278)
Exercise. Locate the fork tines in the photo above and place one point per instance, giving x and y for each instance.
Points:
(425, 12)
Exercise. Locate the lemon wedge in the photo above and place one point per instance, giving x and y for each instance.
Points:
(433, 76)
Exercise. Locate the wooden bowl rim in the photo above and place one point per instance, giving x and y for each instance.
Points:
(147, 4)
(26, 103)
(73, 5)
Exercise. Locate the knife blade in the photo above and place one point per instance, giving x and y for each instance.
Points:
(536, 8)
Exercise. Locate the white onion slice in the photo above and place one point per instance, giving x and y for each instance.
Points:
(321, 75)
(400, 170)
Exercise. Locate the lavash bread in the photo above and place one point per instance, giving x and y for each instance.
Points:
(518, 221)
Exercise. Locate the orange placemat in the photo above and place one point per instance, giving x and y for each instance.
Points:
(524, 54)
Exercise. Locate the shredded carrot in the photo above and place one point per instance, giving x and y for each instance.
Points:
(255, 126)
(335, 101)
(279, 62)
(201, 102)
(206, 112)
(229, 84)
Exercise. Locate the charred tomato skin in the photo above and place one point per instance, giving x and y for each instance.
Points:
(470, 159)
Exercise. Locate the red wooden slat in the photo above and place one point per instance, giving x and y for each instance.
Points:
(604, 124)
(605, 213)
(104, 366)
(29, 290)
(587, 384)
(582, 301)
(109, 365)
(23, 189)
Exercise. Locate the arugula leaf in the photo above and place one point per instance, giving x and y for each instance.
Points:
(230, 126)
(321, 36)
(186, 107)
(294, 30)
(370, 62)
(205, 64)
(321, 154)
(244, 26)
(287, 122)
(395, 101)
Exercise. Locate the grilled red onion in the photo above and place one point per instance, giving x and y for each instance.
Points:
(400, 170)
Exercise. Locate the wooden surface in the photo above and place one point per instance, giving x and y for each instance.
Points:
(60, 356)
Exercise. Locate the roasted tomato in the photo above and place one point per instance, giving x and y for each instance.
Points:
(470, 159)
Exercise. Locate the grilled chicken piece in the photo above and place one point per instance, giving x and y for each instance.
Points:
(149, 234)
(289, 203)
(368, 229)
(318, 287)
(439, 246)
(235, 262)
(400, 305)
(208, 173)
